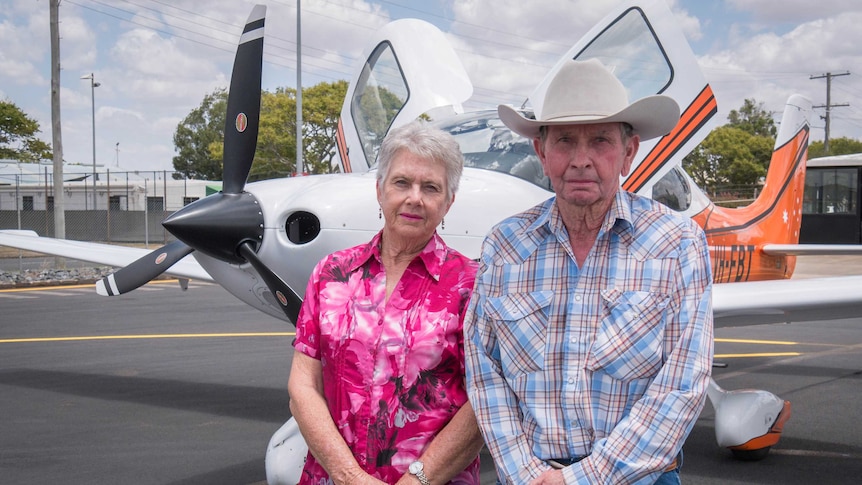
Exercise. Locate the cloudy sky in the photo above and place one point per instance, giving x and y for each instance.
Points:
(156, 59)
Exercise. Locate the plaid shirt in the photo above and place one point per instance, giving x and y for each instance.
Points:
(609, 361)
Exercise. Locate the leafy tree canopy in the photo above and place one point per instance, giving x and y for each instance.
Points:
(753, 119)
(728, 156)
(199, 139)
(200, 129)
(837, 146)
(737, 153)
(18, 140)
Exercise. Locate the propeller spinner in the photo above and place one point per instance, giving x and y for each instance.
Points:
(228, 225)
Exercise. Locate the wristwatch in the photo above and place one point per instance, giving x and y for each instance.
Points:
(417, 469)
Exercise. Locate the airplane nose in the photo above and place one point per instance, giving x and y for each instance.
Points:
(217, 225)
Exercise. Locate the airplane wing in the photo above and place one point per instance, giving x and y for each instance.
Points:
(812, 249)
(787, 301)
(106, 254)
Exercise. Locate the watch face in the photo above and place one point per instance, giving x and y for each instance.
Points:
(416, 467)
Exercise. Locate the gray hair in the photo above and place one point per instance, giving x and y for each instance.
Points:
(425, 141)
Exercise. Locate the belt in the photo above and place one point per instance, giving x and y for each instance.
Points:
(564, 462)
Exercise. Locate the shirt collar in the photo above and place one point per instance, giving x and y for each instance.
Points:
(619, 217)
(432, 256)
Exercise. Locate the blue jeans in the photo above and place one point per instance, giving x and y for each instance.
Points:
(669, 478)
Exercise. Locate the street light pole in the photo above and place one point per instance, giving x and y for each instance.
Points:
(93, 86)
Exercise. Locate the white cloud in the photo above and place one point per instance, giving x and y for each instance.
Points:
(769, 67)
(158, 63)
(777, 11)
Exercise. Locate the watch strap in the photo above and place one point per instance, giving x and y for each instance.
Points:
(420, 473)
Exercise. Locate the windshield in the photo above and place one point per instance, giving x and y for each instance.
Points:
(488, 144)
(380, 94)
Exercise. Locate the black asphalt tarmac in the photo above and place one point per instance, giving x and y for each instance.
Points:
(162, 386)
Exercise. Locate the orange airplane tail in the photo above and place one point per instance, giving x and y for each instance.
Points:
(737, 236)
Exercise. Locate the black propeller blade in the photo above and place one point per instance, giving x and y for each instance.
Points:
(240, 140)
(243, 104)
(229, 225)
(218, 224)
(288, 299)
(142, 270)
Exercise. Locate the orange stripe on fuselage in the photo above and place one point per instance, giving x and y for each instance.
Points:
(341, 144)
(736, 235)
(701, 109)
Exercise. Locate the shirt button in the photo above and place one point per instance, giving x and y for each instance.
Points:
(571, 380)
(577, 297)
(573, 340)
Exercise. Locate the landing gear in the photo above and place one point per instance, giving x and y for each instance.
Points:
(748, 421)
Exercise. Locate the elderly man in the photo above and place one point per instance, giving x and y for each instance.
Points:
(589, 334)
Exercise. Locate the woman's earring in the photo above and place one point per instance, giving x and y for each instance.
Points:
(380, 212)
(443, 223)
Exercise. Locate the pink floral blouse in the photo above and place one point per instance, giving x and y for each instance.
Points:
(393, 373)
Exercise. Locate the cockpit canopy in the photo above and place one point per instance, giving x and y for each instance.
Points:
(488, 144)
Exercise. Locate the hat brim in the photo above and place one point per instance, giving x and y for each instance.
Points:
(649, 117)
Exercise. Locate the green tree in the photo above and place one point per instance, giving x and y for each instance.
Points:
(726, 157)
(276, 139)
(753, 119)
(837, 146)
(321, 108)
(197, 134)
(737, 153)
(200, 141)
(18, 140)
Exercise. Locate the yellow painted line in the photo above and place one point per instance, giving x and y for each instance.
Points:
(60, 287)
(745, 341)
(154, 336)
(764, 354)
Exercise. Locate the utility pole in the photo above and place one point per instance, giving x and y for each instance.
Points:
(56, 134)
(93, 86)
(299, 167)
(829, 104)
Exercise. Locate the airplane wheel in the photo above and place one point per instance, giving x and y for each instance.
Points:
(751, 455)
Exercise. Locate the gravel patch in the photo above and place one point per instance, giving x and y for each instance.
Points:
(52, 277)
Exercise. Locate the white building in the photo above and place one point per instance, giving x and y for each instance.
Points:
(30, 187)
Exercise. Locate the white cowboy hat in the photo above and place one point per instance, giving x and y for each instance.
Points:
(585, 92)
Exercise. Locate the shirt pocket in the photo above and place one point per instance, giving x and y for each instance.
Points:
(628, 344)
(520, 321)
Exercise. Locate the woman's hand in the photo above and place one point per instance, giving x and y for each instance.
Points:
(356, 476)
(549, 477)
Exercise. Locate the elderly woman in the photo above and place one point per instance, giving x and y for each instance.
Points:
(377, 383)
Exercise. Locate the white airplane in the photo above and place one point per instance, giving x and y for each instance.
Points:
(260, 241)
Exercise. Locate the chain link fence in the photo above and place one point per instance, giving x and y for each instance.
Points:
(121, 207)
